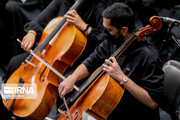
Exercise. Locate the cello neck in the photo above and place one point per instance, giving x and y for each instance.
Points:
(121, 49)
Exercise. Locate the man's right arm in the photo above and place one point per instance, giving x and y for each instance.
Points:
(88, 66)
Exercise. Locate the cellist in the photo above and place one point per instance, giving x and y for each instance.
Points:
(138, 69)
(87, 18)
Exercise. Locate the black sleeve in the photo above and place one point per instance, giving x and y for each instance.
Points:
(153, 78)
(38, 24)
(96, 34)
(96, 59)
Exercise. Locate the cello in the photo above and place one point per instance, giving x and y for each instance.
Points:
(60, 46)
(98, 96)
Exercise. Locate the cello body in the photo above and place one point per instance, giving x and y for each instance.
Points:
(99, 100)
(64, 51)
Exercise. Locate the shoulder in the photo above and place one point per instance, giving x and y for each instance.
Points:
(149, 52)
(149, 48)
(143, 52)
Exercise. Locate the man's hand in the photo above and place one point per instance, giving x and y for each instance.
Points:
(28, 41)
(113, 69)
(73, 17)
(66, 86)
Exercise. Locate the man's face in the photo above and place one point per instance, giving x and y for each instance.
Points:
(111, 33)
(111, 29)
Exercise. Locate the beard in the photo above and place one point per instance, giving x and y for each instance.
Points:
(112, 39)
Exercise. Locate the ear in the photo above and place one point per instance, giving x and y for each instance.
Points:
(124, 31)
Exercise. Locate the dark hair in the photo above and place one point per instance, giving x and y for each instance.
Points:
(120, 15)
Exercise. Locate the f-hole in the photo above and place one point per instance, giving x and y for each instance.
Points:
(41, 79)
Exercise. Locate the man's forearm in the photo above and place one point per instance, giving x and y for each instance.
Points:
(80, 72)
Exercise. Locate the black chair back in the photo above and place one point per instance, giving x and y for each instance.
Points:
(171, 97)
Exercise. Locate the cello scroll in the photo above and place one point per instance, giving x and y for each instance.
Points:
(156, 25)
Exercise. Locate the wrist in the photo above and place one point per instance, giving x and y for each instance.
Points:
(87, 27)
(74, 76)
(32, 32)
(124, 79)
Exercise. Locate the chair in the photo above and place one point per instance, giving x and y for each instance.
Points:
(171, 96)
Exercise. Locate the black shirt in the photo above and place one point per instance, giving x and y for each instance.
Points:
(140, 62)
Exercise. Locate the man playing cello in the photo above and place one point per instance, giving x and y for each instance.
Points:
(138, 69)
